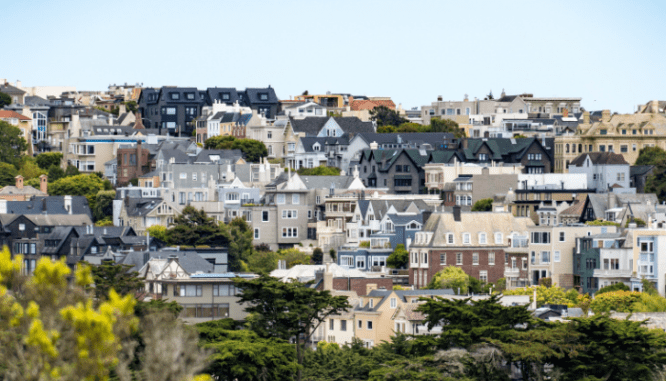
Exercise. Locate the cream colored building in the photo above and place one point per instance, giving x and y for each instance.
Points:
(625, 134)
(438, 174)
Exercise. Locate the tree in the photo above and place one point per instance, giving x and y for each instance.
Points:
(8, 174)
(79, 185)
(317, 256)
(110, 275)
(193, 227)
(322, 170)
(131, 106)
(655, 183)
(446, 125)
(160, 232)
(451, 277)
(398, 258)
(548, 295)
(332, 254)
(55, 173)
(104, 204)
(294, 257)
(253, 150)
(48, 159)
(261, 262)
(287, 310)
(483, 205)
(30, 170)
(5, 99)
(12, 144)
(239, 236)
(651, 156)
(384, 116)
(71, 171)
(615, 287)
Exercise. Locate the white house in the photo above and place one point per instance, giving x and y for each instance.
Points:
(605, 171)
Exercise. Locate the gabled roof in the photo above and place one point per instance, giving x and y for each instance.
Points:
(137, 207)
(49, 205)
(640, 170)
(367, 104)
(309, 126)
(404, 219)
(14, 190)
(253, 95)
(600, 158)
(7, 114)
(354, 125)
(9, 89)
(443, 156)
(308, 142)
(189, 260)
(327, 182)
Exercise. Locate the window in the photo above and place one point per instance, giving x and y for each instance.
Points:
(224, 290)
(459, 259)
(483, 276)
(295, 199)
(647, 247)
(183, 175)
(620, 176)
(402, 182)
(371, 303)
(624, 148)
(190, 290)
(603, 132)
(369, 324)
(562, 237)
(343, 325)
(541, 237)
(360, 322)
(482, 238)
(309, 214)
(483, 157)
(289, 232)
(174, 96)
(289, 214)
(264, 216)
(450, 238)
(545, 257)
(256, 233)
(360, 262)
(475, 258)
(394, 303)
(491, 259)
(498, 238)
(556, 256)
(281, 199)
(331, 324)
(442, 259)
(466, 239)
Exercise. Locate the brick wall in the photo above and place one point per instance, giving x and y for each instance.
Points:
(360, 284)
(566, 281)
(495, 271)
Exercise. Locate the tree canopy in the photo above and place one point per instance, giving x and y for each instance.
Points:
(5, 99)
(451, 277)
(384, 116)
(48, 159)
(398, 258)
(12, 144)
(322, 170)
(253, 150)
(110, 275)
(483, 205)
(8, 174)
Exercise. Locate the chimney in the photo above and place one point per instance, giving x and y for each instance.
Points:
(369, 287)
(68, 204)
(439, 98)
(328, 278)
(122, 109)
(605, 116)
(19, 181)
(586, 117)
(3, 206)
(456, 213)
(654, 106)
(44, 184)
(138, 124)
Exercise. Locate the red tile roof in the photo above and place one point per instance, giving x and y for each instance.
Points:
(365, 104)
(7, 114)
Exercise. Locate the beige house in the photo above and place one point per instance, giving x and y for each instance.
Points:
(625, 134)
(204, 297)
(142, 213)
(20, 192)
(439, 174)
(22, 122)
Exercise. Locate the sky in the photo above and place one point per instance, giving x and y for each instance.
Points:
(610, 53)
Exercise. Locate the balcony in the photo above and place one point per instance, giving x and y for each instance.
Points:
(510, 272)
(599, 273)
(519, 242)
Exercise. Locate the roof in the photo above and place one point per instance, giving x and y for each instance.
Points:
(600, 158)
(576, 209)
(640, 170)
(50, 219)
(9, 89)
(354, 125)
(642, 204)
(27, 190)
(403, 295)
(473, 223)
(309, 142)
(405, 137)
(137, 207)
(327, 182)
(309, 126)
(366, 104)
(189, 260)
(7, 114)
(49, 205)
(306, 273)
(404, 219)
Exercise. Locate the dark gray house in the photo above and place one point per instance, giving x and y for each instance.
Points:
(174, 108)
(401, 170)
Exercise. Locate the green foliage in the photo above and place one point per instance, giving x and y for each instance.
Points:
(619, 301)
(548, 295)
(655, 183)
(261, 262)
(651, 156)
(546, 282)
(284, 311)
(12, 144)
(319, 171)
(71, 171)
(500, 285)
(398, 258)
(446, 125)
(48, 159)
(5, 100)
(253, 150)
(79, 185)
(602, 223)
(159, 232)
(131, 106)
(30, 170)
(110, 275)
(238, 235)
(294, 257)
(55, 173)
(8, 174)
(332, 254)
(193, 227)
(143, 309)
(104, 204)
(106, 221)
(615, 287)
(134, 181)
(384, 116)
(364, 244)
(317, 256)
(451, 277)
(484, 205)
(639, 223)
(520, 136)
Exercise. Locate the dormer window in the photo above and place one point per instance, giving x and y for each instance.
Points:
(225, 96)
(174, 96)
(316, 147)
(189, 96)
(263, 96)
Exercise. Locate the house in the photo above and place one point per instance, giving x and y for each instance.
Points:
(445, 166)
(38, 109)
(638, 176)
(551, 251)
(625, 134)
(334, 278)
(481, 243)
(203, 296)
(47, 205)
(399, 171)
(313, 152)
(302, 110)
(142, 213)
(17, 95)
(533, 154)
(21, 192)
(361, 108)
(606, 171)
(619, 208)
(23, 233)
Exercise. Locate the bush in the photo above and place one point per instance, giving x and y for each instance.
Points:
(485, 205)
(616, 287)
(619, 301)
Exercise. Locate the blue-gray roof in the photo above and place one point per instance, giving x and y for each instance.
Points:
(223, 275)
